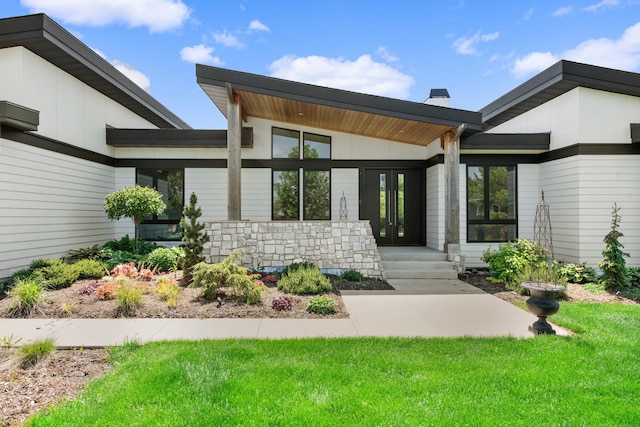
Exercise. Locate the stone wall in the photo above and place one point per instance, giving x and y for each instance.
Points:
(333, 246)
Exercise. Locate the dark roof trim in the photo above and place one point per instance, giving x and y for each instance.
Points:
(53, 145)
(507, 141)
(19, 117)
(635, 132)
(303, 92)
(181, 138)
(556, 80)
(44, 37)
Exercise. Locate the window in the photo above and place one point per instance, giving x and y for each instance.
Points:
(170, 183)
(305, 173)
(491, 203)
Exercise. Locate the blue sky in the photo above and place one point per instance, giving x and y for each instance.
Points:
(478, 50)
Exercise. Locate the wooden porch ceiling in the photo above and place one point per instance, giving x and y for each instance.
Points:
(332, 109)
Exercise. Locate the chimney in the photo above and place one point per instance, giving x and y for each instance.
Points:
(438, 97)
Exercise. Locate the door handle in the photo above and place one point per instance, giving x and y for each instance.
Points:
(390, 223)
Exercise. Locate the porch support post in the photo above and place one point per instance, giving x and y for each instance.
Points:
(234, 160)
(451, 144)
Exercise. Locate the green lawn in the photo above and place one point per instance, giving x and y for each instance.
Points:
(593, 379)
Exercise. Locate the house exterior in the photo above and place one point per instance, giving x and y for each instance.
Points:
(73, 129)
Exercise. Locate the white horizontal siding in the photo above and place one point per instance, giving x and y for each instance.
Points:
(256, 194)
(345, 182)
(49, 203)
(528, 198)
(210, 186)
(605, 181)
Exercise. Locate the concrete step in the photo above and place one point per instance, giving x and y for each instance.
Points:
(421, 274)
(434, 286)
(417, 265)
(411, 254)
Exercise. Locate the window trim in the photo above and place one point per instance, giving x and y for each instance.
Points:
(155, 220)
(487, 206)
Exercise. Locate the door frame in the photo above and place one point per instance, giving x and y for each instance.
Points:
(422, 202)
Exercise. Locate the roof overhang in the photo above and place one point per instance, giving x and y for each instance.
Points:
(556, 80)
(333, 109)
(635, 133)
(507, 142)
(44, 37)
(19, 117)
(175, 138)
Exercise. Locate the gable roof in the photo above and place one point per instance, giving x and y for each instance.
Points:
(333, 109)
(556, 80)
(44, 37)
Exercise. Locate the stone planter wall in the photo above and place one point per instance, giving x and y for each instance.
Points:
(331, 245)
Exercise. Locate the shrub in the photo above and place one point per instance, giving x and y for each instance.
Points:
(511, 259)
(541, 270)
(91, 252)
(134, 202)
(634, 276)
(350, 276)
(68, 308)
(129, 297)
(128, 270)
(253, 295)
(31, 354)
(194, 238)
(578, 273)
(125, 244)
(163, 259)
(321, 304)
(90, 288)
(57, 275)
(27, 295)
(90, 269)
(304, 280)
(18, 276)
(41, 263)
(211, 277)
(113, 258)
(282, 303)
(615, 276)
(106, 291)
(296, 266)
(168, 290)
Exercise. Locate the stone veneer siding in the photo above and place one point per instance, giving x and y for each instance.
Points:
(331, 245)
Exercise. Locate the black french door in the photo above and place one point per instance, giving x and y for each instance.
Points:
(393, 202)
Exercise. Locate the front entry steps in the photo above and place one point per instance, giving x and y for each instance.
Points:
(417, 269)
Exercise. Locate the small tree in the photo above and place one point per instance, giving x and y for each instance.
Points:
(615, 275)
(193, 237)
(135, 203)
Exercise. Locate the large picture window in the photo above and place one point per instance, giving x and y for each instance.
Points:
(491, 203)
(304, 191)
(170, 183)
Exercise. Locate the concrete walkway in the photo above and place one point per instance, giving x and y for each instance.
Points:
(452, 309)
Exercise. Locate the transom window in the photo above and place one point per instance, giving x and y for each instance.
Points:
(304, 189)
(491, 203)
(170, 183)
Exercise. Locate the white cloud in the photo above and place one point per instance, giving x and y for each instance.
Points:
(566, 10)
(384, 53)
(603, 4)
(623, 53)
(469, 45)
(362, 75)
(157, 15)
(227, 39)
(199, 54)
(256, 25)
(533, 63)
(136, 76)
(528, 14)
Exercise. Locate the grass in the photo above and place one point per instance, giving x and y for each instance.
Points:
(30, 354)
(592, 379)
